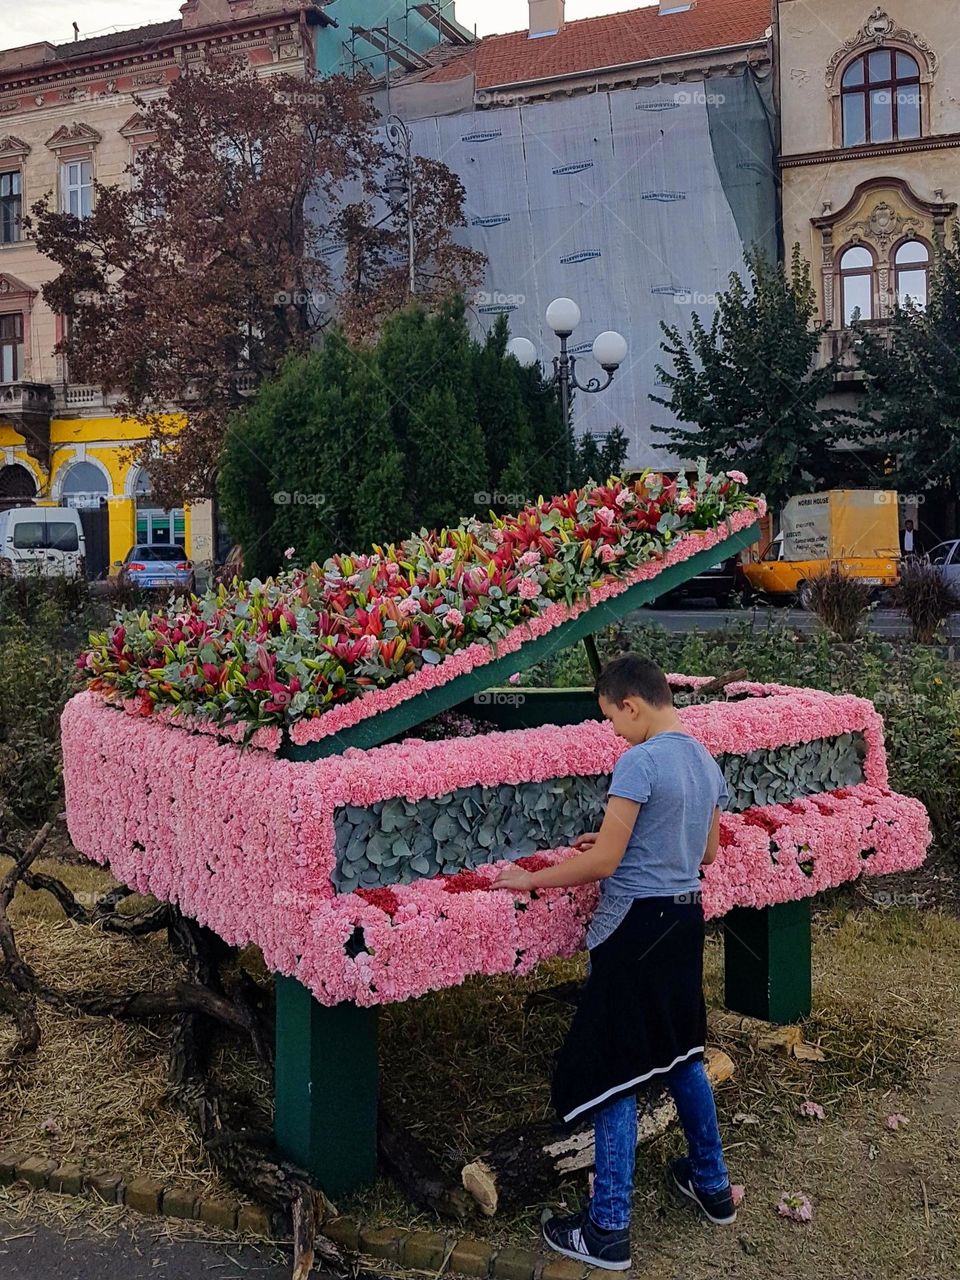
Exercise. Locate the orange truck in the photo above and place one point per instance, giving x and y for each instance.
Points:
(855, 529)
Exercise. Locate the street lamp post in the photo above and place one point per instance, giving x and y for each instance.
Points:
(609, 351)
(399, 137)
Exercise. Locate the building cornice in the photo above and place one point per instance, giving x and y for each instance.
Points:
(160, 50)
(837, 155)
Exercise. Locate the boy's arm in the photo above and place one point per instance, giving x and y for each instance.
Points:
(713, 840)
(595, 863)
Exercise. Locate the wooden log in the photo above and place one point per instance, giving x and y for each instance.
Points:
(528, 1162)
(405, 1159)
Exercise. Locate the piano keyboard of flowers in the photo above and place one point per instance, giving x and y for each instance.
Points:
(258, 847)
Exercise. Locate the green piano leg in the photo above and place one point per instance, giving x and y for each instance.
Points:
(326, 1082)
(767, 961)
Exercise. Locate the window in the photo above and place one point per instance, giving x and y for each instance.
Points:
(76, 184)
(11, 347)
(83, 486)
(856, 285)
(28, 535)
(62, 536)
(880, 93)
(11, 202)
(912, 268)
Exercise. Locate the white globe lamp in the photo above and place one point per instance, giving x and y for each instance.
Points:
(610, 349)
(563, 316)
(523, 351)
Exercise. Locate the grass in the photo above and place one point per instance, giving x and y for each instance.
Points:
(461, 1066)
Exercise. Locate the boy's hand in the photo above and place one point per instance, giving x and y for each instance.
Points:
(586, 841)
(515, 879)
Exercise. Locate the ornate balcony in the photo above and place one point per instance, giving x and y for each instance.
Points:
(841, 345)
(28, 408)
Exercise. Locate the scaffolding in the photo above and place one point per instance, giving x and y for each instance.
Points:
(388, 48)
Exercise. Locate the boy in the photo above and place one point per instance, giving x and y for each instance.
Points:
(641, 1017)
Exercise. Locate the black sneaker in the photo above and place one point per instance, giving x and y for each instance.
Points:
(579, 1237)
(718, 1206)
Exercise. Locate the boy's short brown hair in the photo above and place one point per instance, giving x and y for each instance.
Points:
(631, 676)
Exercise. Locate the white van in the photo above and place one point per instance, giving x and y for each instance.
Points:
(43, 541)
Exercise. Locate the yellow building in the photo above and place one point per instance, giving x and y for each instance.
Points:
(68, 118)
(870, 151)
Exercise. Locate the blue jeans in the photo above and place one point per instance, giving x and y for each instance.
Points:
(615, 1127)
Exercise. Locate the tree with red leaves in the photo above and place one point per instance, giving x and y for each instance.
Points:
(254, 216)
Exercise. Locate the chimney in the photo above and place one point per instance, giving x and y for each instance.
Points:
(546, 18)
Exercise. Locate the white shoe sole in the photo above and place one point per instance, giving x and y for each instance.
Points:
(587, 1261)
(691, 1195)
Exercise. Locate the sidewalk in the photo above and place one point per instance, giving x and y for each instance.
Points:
(29, 1251)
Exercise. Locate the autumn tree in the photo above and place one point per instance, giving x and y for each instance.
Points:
(227, 252)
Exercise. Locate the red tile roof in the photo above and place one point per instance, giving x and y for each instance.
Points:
(617, 39)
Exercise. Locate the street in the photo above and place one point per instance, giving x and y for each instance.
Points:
(705, 616)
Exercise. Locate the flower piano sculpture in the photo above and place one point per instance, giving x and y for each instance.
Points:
(252, 756)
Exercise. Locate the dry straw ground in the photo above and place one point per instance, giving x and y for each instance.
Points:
(461, 1065)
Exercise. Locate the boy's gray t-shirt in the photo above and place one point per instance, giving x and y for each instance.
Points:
(679, 786)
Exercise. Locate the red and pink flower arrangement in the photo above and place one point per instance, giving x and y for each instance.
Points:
(325, 646)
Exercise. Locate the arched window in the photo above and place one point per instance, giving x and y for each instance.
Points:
(83, 485)
(856, 284)
(911, 264)
(17, 486)
(880, 92)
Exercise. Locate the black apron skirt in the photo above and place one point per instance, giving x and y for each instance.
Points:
(642, 1010)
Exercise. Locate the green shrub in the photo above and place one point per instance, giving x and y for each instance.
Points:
(839, 602)
(36, 678)
(926, 597)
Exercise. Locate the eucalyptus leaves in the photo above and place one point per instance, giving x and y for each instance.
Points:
(399, 841)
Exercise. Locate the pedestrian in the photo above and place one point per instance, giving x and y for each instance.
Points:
(909, 539)
(641, 1019)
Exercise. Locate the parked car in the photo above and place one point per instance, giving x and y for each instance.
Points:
(946, 556)
(43, 541)
(719, 582)
(157, 569)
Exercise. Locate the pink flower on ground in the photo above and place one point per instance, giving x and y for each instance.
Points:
(737, 477)
(529, 590)
(812, 1110)
(514, 679)
(452, 618)
(289, 553)
(408, 605)
(624, 496)
(529, 559)
(895, 1122)
(686, 507)
(447, 556)
(795, 1206)
(608, 553)
(606, 516)
(738, 1191)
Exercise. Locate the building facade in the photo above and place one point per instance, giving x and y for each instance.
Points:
(624, 161)
(870, 152)
(68, 118)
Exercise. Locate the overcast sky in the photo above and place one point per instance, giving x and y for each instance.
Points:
(53, 19)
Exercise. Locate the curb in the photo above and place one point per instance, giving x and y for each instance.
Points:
(434, 1251)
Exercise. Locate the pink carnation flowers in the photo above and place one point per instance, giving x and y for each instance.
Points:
(245, 843)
